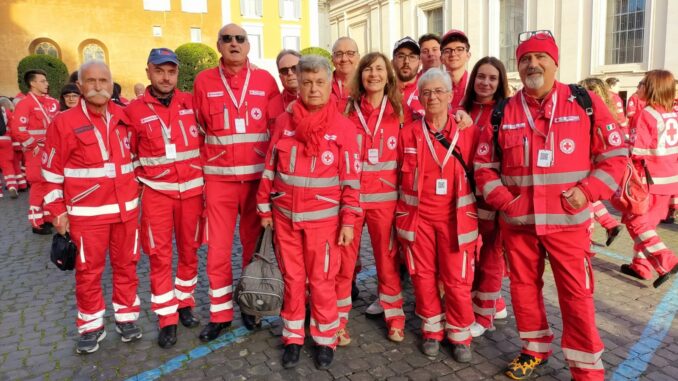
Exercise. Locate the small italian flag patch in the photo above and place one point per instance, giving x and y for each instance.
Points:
(610, 127)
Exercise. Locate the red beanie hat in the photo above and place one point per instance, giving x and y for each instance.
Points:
(540, 42)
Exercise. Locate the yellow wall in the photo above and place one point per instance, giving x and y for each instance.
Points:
(122, 26)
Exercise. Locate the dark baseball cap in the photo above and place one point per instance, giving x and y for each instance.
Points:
(406, 42)
(453, 35)
(160, 56)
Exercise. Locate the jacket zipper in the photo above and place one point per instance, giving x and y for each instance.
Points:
(122, 148)
(293, 158)
(85, 193)
(183, 132)
(526, 151)
(216, 157)
(387, 183)
(381, 144)
(313, 159)
(323, 198)
(163, 173)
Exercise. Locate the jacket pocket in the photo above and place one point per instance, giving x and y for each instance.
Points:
(80, 196)
(327, 199)
(569, 208)
(515, 149)
(326, 264)
(88, 145)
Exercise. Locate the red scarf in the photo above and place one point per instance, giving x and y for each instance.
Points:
(311, 126)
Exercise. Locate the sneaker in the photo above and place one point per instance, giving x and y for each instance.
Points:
(461, 353)
(375, 310)
(523, 367)
(499, 315)
(89, 341)
(477, 329)
(343, 338)
(13, 193)
(663, 278)
(430, 347)
(128, 331)
(612, 234)
(396, 335)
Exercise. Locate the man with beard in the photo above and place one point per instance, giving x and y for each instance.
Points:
(551, 164)
(92, 192)
(406, 66)
(345, 57)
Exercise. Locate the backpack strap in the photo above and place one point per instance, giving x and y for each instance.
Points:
(584, 99)
(495, 121)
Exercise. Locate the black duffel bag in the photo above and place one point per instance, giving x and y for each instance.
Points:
(63, 252)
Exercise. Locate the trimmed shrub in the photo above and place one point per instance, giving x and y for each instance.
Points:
(194, 57)
(57, 73)
(318, 52)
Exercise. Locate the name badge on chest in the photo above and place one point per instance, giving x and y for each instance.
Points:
(171, 151)
(239, 126)
(109, 170)
(373, 155)
(441, 187)
(545, 158)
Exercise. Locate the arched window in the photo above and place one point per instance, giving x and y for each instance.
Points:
(93, 51)
(44, 46)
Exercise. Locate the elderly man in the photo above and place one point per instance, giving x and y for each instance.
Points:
(92, 192)
(430, 51)
(166, 143)
(455, 55)
(236, 104)
(550, 165)
(286, 62)
(310, 191)
(28, 127)
(345, 57)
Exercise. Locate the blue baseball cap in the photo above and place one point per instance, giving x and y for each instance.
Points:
(160, 56)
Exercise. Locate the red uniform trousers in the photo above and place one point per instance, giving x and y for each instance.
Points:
(434, 261)
(93, 241)
(160, 215)
(489, 273)
(651, 252)
(18, 170)
(384, 247)
(569, 258)
(7, 163)
(225, 199)
(601, 214)
(313, 254)
(36, 214)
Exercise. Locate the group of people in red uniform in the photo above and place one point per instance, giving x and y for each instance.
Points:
(446, 191)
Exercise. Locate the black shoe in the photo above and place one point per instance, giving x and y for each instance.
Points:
(323, 357)
(187, 318)
(612, 234)
(663, 278)
(626, 269)
(291, 356)
(13, 193)
(355, 292)
(523, 367)
(89, 342)
(167, 336)
(128, 331)
(42, 230)
(47, 225)
(250, 321)
(212, 331)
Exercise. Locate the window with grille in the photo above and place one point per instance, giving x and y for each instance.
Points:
(434, 21)
(625, 31)
(93, 52)
(251, 8)
(511, 23)
(46, 48)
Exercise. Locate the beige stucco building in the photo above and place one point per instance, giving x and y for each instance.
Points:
(603, 38)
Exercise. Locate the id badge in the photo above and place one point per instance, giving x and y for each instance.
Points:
(239, 125)
(373, 155)
(441, 187)
(109, 170)
(171, 151)
(544, 159)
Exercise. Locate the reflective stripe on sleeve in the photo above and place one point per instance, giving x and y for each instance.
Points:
(161, 160)
(233, 171)
(236, 139)
(91, 211)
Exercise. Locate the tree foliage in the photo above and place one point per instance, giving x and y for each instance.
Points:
(194, 57)
(318, 52)
(57, 73)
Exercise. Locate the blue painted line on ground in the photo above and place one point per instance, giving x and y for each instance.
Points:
(223, 341)
(655, 331)
(611, 254)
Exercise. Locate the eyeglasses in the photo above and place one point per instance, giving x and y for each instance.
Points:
(458, 50)
(71, 96)
(438, 93)
(349, 53)
(287, 70)
(406, 57)
(239, 38)
(542, 34)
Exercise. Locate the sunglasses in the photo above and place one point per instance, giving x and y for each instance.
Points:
(239, 38)
(287, 70)
(542, 34)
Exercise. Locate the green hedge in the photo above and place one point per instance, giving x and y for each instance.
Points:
(57, 73)
(193, 58)
(318, 52)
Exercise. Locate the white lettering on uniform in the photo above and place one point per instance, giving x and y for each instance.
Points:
(564, 119)
(258, 93)
(149, 119)
(186, 112)
(215, 94)
(513, 126)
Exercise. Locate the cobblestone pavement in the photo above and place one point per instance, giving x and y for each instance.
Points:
(38, 334)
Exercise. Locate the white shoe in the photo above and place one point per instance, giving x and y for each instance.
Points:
(503, 314)
(477, 329)
(375, 308)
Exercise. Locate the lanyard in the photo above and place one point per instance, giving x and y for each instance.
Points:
(230, 92)
(340, 87)
(425, 128)
(167, 131)
(100, 140)
(49, 120)
(530, 121)
(410, 98)
(362, 118)
(482, 109)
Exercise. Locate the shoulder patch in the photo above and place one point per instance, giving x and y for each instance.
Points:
(82, 129)
(258, 93)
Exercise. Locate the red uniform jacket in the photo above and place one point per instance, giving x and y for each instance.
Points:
(88, 174)
(459, 91)
(340, 93)
(411, 150)
(480, 114)
(380, 169)
(619, 107)
(412, 108)
(312, 191)
(529, 195)
(177, 175)
(233, 152)
(656, 144)
(31, 118)
(633, 108)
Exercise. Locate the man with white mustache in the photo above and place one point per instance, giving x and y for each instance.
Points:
(93, 195)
